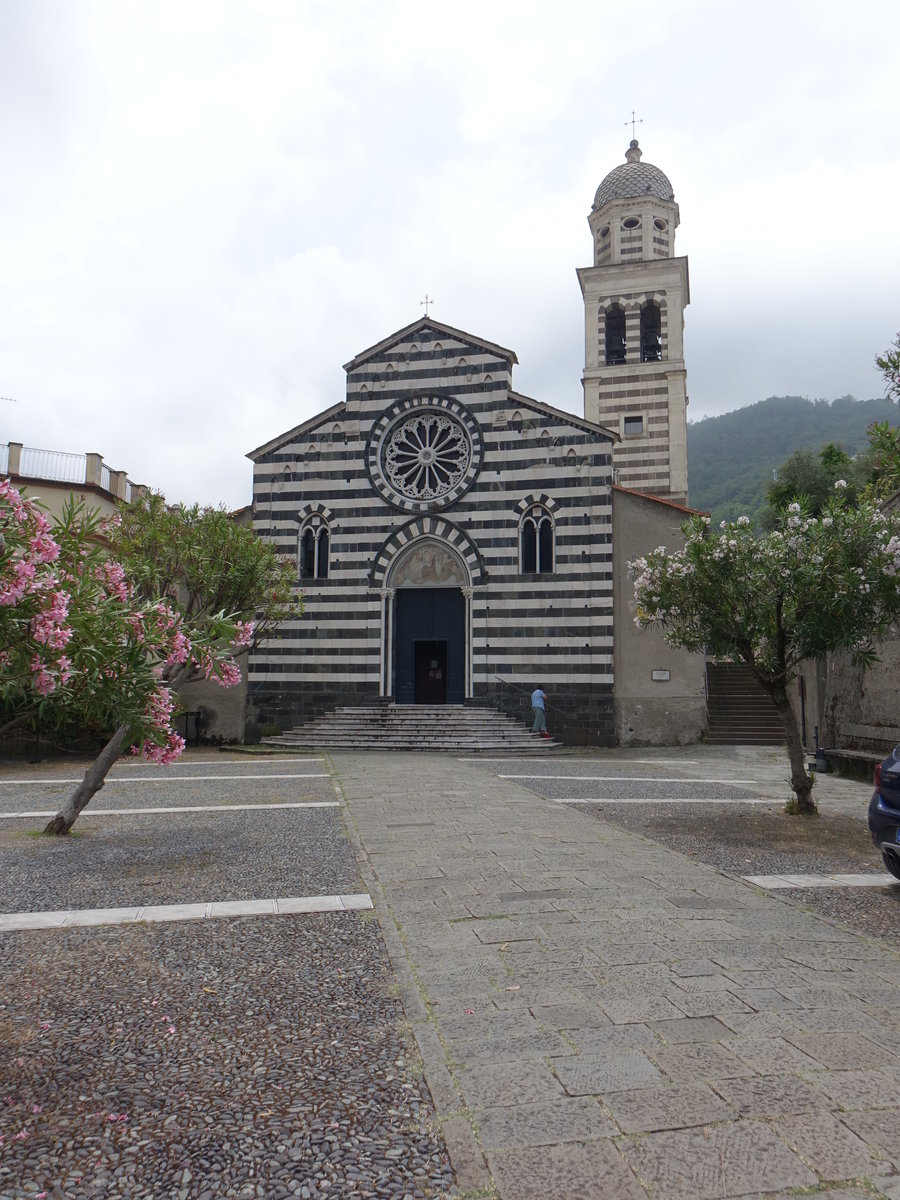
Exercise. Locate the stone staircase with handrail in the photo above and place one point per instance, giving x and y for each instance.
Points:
(451, 728)
(740, 712)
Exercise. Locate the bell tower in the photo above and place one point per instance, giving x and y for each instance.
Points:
(635, 295)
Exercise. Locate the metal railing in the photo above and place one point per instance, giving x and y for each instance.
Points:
(548, 707)
(56, 465)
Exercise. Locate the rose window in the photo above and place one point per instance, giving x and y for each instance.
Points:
(427, 455)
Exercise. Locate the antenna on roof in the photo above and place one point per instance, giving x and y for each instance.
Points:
(634, 121)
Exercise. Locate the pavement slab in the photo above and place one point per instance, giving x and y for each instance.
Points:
(770, 1095)
(567, 1119)
(739, 1158)
(830, 1148)
(660, 1028)
(679, 1106)
(566, 1171)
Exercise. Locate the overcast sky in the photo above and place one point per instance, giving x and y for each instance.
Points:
(207, 208)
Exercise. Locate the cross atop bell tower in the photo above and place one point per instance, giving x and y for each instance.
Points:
(635, 295)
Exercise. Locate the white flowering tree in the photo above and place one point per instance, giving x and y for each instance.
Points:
(811, 586)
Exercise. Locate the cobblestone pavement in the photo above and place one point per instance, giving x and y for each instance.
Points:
(741, 838)
(600, 1016)
(235, 1057)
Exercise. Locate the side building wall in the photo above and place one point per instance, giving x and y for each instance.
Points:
(660, 691)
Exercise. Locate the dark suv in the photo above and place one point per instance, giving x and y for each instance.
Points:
(884, 811)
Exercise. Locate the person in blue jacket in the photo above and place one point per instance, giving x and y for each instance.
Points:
(538, 696)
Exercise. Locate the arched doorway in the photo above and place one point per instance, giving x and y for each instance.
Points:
(429, 630)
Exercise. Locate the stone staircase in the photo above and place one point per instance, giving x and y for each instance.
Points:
(451, 728)
(740, 712)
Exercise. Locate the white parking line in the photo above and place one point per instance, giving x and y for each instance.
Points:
(178, 808)
(773, 882)
(650, 762)
(168, 779)
(655, 800)
(67, 918)
(245, 761)
(630, 779)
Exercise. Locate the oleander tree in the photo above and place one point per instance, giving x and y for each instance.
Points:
(201, 560)
(888, 364)
(83, 646)
(812, 585)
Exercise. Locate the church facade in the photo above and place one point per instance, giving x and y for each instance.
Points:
(460, 543)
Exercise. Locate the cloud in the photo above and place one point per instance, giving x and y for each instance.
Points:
(211, 206)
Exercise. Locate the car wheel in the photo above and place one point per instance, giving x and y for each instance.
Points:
(892, 862)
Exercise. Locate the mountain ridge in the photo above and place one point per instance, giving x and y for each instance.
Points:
(732, 456)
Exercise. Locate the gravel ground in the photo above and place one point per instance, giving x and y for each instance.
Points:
(139, 785)
(177, 858)
(228, 1058)
(234, 1057)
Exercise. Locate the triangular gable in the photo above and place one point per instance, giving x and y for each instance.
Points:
(428, 324)
(292, 434)
(547, 410)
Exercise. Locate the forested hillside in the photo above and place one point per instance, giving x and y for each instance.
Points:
(731, 458)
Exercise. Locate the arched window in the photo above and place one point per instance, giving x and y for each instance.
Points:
(651, 332)
(615, 335)
(536, 542)
(314, 546)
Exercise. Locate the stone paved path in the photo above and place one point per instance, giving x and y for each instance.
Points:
(604, 1019)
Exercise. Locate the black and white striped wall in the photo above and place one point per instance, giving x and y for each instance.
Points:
(521, 628)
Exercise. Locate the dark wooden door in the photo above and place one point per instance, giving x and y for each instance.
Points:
(431, 672)
(435, 618)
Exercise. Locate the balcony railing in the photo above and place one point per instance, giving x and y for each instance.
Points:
(58, 466)
(53, 464)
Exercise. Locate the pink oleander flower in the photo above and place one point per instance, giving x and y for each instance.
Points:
(226, 673)
(244, 635)
(60, 637)
(59, 607)
(44, 548)
(165, 754)
(112, 576)
(135, 621)
(43, 681)
(181, 650)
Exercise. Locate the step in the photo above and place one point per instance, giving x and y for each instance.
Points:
(429, 727)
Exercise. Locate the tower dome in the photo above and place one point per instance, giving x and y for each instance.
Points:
(632, 179)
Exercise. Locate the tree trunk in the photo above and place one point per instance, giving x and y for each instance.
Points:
(94, 778)
(801, 782)
(19, 720)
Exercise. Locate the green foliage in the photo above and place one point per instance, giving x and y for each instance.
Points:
(812, 477)
(732, 458)
(203, 561)
(883, 460)
(889, 366)
(809, 587)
